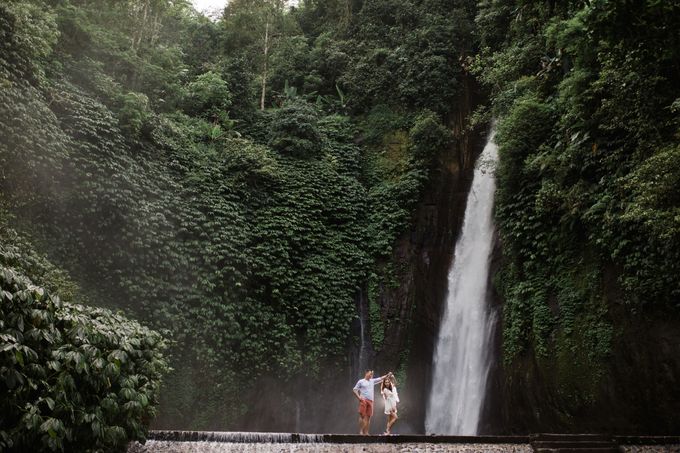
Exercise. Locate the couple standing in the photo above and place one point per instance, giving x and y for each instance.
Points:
(363, 390)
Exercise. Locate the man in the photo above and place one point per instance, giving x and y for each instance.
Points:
(364, 393)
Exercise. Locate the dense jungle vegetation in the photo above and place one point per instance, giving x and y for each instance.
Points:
(588, 100)
(233, 183)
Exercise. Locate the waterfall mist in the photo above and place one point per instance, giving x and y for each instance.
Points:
(462, 359)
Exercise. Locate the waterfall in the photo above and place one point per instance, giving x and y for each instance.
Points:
(461, 359)
(298, 416)
(365, 345)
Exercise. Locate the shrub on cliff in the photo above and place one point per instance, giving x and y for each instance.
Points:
(430, 137)
(73, 378)
(294, 130)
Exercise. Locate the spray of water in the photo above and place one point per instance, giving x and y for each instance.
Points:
(462, 359)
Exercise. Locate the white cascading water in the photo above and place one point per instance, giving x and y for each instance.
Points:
(462, 359)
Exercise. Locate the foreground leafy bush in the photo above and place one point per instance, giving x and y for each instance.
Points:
(73, 378)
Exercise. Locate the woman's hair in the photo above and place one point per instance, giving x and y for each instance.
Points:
(382, 385)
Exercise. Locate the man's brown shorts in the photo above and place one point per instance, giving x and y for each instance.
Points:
(366, 408)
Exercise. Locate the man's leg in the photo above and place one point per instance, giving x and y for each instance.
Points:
(363, 411)
(369, 414)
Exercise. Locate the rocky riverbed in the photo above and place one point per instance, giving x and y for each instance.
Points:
(670, 448)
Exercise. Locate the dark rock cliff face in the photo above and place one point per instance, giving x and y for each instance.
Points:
(422, 258)
(636, 391)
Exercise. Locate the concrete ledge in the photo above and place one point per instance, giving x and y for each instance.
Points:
(647, 440)
(423, 439)
(254, 437)
(257, 437)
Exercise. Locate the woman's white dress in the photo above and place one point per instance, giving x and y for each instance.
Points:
(391, 399)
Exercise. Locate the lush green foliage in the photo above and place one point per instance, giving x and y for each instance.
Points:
(587, 203)
(133, 152)
(401, 53)
(73, 378)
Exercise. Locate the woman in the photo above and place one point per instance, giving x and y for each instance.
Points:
(388, 389)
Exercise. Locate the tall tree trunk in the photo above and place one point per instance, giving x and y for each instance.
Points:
(264, 72)
(137, 36)
(156, 29)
